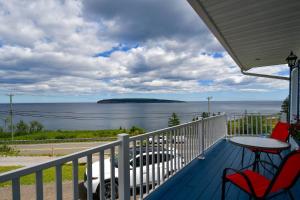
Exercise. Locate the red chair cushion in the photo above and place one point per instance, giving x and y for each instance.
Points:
(259, 182)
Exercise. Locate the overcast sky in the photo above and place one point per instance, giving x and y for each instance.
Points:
(83, 51)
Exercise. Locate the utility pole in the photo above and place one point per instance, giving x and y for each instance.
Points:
(208, 105)
(11, 116)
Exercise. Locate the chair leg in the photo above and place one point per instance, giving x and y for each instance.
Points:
(290, 195)
(223, 189)
(280, 156)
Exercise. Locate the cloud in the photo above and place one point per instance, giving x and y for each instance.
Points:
(102, 46)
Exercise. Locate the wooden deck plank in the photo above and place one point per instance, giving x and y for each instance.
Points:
(202, 179)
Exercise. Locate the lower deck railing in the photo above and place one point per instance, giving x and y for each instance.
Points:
(129, 167)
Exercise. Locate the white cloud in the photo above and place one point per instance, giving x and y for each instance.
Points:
(49, 47)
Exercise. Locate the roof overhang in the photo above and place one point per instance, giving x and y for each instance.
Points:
(254, 33)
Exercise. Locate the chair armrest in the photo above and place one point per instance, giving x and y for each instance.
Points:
(243, 175)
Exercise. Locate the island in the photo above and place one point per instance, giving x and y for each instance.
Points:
(137, 100)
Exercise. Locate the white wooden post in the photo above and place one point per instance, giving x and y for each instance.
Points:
(123, 162)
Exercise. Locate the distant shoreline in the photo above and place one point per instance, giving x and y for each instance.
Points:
(137, 100)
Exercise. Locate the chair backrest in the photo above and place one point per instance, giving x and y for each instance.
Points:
(288, 172)
(281, 131)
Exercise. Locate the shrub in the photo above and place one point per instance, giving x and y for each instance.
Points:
(6, 150)
(134, 130)
(22, 128)
(60, 137)
(35, 127)
(40, 137)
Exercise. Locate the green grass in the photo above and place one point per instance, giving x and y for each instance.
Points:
(72, 134)
(48, 174)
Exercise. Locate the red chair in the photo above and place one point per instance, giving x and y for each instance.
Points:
(280, 132)
(260, 187)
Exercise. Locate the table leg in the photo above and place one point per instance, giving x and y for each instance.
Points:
(243, 153)
(256, 161)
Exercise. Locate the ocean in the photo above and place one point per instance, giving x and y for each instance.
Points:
(150, 116)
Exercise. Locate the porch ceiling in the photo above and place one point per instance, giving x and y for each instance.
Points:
(255, 33)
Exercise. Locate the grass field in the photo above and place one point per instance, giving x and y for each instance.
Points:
(72, 134)
(48, 174)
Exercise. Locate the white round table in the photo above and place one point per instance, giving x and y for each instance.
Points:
(258, 143)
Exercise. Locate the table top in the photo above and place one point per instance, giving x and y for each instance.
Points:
(259, 142)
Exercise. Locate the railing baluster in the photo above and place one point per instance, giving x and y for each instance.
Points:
(39, 185)
(234, 125)
(89, 177)
(163, 158)
(189, 143)
(153, 163)
(159, 160)
(167, 154)
(16, 189)
(261, 130)
(175, 150)
(75, 179)
(243, 124)
(141, 168)
(256, 124)
(172, 151)
(134, 168)
(58, 181)
(180, 144)
(101, 176)
(112, 173)
(193, 140)
(147, 165)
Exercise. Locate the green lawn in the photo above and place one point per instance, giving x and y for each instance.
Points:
(73, 134)
(48, 174)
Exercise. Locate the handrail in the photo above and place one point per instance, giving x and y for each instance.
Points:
(64, 159)
(170, 128)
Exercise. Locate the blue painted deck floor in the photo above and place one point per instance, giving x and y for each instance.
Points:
(201, 179)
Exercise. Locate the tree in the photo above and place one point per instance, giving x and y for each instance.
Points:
(22, 128)
(173, 120)
(195, 118)
(205, 114)
(35, 127)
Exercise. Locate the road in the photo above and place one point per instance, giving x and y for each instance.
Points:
(54, 148)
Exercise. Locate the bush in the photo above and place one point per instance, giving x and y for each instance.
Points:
(6, 150)
(134, 130)
(35, 127)
(40, 137)
(22, 128)
(60, 137)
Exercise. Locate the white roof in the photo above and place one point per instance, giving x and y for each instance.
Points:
(255, 33)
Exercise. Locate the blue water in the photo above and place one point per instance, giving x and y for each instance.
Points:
(92, 116)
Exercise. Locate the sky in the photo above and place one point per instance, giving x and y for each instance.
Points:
(83, 51)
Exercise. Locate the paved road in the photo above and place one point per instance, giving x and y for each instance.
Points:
(55, 148)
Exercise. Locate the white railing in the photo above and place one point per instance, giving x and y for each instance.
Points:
(130, 167)
(251, 123)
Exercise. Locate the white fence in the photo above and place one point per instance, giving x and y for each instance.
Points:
(251, 123)
(130, 167)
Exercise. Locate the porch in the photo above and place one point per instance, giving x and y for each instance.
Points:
(201, 179)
